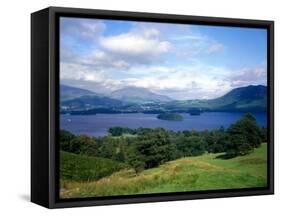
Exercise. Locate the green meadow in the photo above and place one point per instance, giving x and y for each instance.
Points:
(195, 173)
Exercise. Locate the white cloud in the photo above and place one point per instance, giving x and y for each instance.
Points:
(82, 29)
(187, 37)
(80, 72)
(214, 47)
(193, 44)
(177, 82)
(137, 45)
(182, 82)
(148, 55)
(96, 60)
(248, 76)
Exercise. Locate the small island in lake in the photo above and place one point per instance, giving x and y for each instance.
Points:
(170, 117)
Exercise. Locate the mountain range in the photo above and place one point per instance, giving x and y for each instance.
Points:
(138, 95)
(68, 92)
(250, 97)
(132, 99)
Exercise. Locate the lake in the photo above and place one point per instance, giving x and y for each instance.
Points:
(97, 125)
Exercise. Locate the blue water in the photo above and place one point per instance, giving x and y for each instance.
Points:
(97, 125)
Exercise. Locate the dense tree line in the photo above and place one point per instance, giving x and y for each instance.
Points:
(149, 148)
(119, 131)
(244, 136)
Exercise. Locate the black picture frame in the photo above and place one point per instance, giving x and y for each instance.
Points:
(45, 109)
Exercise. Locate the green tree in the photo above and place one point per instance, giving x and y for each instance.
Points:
(118, 131)
(263, 132)
(120, 154)
(108, 148)
(191, 145)
(238, 144)
(65, 139)
(186, 133)
(216, 140)
(119, 157)
(155, 148)
(136, 161)
(244, 136)
(115, 131)
(84, 144)
(252, 130)
(142, 131)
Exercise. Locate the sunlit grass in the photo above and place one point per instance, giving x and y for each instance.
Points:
(205, 172)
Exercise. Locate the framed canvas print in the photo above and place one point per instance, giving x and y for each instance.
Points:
(138, 107)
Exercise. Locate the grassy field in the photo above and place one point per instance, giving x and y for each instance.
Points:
(204, 172)
(82, 168)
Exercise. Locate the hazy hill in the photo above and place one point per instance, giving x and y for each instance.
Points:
(249, 98)
(89, 101)
(138, 95)
(132, 99)
(243, 98)
(68, 92)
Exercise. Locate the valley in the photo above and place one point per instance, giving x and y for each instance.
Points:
(76, 101)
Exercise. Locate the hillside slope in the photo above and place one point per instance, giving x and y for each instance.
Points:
(246, 99)
(82, 168)
(204, 172)
(92, 101)
(69, 92)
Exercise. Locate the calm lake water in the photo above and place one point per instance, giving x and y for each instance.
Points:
(97, 125)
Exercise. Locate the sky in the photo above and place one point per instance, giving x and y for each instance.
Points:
(177, 60)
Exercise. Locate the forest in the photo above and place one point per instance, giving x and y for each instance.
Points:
(145, 148)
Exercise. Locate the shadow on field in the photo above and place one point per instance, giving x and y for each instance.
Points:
(226, 156)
